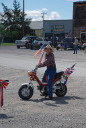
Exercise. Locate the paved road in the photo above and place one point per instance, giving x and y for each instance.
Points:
(24, 59)
(66, 112)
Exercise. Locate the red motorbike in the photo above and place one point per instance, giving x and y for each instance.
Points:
(59, 84)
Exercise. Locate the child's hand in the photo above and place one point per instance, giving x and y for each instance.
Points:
(39, 65)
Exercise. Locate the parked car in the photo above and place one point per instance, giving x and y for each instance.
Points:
(24, 42)
(68, 42)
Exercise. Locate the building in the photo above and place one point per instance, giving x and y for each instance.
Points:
(52, 28)
(58, 28)
(61, 28)
(79, 20)
(37, 27)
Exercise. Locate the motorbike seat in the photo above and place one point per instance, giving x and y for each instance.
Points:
(58, 74)
(44, 83)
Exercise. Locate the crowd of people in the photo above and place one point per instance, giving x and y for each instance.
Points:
(75, 45)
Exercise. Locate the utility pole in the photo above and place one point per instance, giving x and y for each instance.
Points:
(23, 19)
(43, 14)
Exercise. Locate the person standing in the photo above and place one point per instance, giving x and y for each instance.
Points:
(51, 69)
(75, 45)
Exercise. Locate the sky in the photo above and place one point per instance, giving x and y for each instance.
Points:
(54, 9)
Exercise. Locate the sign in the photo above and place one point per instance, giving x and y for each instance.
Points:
(83, 29)
(57, 28)
(81, 4)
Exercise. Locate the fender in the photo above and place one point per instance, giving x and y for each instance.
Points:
(29, 84)
(56, 83)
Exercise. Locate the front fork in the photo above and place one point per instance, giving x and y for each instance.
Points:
(29, 84)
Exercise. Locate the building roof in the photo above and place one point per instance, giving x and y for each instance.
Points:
(80, 2)
(39, 24)
(36, 25)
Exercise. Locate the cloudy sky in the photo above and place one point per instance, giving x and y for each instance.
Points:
(53, 9)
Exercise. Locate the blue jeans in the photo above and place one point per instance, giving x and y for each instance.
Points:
(75, 49)
(50, 72)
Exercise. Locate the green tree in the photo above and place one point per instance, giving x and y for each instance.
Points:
(12, 19)
(2, 32)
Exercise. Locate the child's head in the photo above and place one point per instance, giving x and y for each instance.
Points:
(48, 49)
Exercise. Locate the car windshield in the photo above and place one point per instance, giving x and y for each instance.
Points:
(25, 38)
(68, 40)
(28, 37)
(39, 39)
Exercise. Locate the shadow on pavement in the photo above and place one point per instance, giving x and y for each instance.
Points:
(57, 100)
(4, 116)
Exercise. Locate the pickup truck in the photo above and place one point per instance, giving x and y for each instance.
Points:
(24, 42)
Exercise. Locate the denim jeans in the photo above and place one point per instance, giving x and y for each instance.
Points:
(50, 72)
(75, 49)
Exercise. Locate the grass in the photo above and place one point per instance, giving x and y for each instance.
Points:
(7, 44)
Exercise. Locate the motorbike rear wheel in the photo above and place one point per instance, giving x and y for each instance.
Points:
(25, 92)
(62, 91)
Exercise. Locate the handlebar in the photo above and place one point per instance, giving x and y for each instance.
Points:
(34, 70)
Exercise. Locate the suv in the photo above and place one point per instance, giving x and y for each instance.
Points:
(68, 42)
(24, 42)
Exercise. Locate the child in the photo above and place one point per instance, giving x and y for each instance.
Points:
(51, 69)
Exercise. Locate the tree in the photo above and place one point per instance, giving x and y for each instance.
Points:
(2, 32)
(12, 19)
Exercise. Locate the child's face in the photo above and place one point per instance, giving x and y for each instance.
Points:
(47, 50)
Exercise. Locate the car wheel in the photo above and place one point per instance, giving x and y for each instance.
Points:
(18, 46)
(27, 46)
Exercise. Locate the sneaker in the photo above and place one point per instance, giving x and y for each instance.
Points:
(44, 94)
(50, 98)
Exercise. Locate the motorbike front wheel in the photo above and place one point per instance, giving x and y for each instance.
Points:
(62, 90)
(25, 92)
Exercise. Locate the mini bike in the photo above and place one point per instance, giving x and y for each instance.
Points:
(60, 79)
